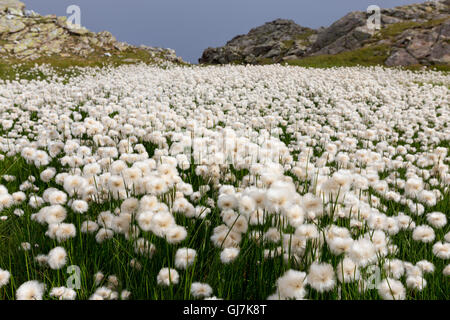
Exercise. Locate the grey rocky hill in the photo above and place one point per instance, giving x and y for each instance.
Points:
(26, 35)
(409, 35)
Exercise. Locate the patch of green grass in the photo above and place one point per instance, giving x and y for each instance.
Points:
(369, 56)
(12, 68)
(265, 61)
(306, 35)
(421, 84)
(396, 29)
(288, 44)
(440, 67)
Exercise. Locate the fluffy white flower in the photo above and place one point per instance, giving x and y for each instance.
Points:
(185, 257)
(57, 258)
(201, 290)
(292, 285)
(363, 252)
(80, 206)
(167, 277)
(4, 277)
(423, 233)
(391, 289)
(347, 271)
(229, 254)
(321, 277)
(30, 290)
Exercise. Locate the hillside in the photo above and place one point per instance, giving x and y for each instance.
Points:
(410, 35)
(27, 37)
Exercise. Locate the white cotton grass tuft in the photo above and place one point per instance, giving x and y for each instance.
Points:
(442, 250)
(394, 268)
(347, 271)
(125, 295)
(447, 237)
(363, 252)
(228, 255)
(423, 233)
(391, 289)
(104, 234)
(176, 234)
(104, 293)
(437, 219)
(425, 266)
(185, 257)
(89, 226)
(48, 174)
(416, 283)
(446, 271)
(63, 293)
(291, 285)
(57, 258)
(167, 277)
(321, 277)
(161, 223)
(79, 206)
(4, 277)
(306, 161)
(57, 197)
(30, 290)
(201, 290)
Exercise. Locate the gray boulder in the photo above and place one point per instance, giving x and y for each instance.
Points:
(273, 40)
(401, 57)
(339, 29)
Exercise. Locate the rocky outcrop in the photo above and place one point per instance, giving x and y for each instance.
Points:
(26, 35)
(339, 33)
(422, 46)
(13, 6)
(413, 34)
(270, 41)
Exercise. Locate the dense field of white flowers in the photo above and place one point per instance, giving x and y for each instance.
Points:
(225, 182)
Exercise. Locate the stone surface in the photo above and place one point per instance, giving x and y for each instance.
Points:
(15, 5)
(401, 57)
(27, 35)
(269, 41)
(440, 53)
(10, 25)
(339, 29)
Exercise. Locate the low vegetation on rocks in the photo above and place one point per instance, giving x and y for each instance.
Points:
(412, 35)
(27, 38)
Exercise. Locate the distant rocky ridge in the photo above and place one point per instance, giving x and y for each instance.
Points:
(413, 34)
(26, 35)
(279, 38)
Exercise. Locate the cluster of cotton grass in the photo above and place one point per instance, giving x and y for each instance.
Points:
(315, 145)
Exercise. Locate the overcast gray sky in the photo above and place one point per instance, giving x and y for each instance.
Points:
(190, 26)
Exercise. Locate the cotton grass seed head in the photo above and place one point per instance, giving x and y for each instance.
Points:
(185, 257)
(57, 258)
(4, 277)
(30, 290)
(228, 255)
(167, 277)
(292, 285)
(391, 289)
(201, 290)
(321, 277)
